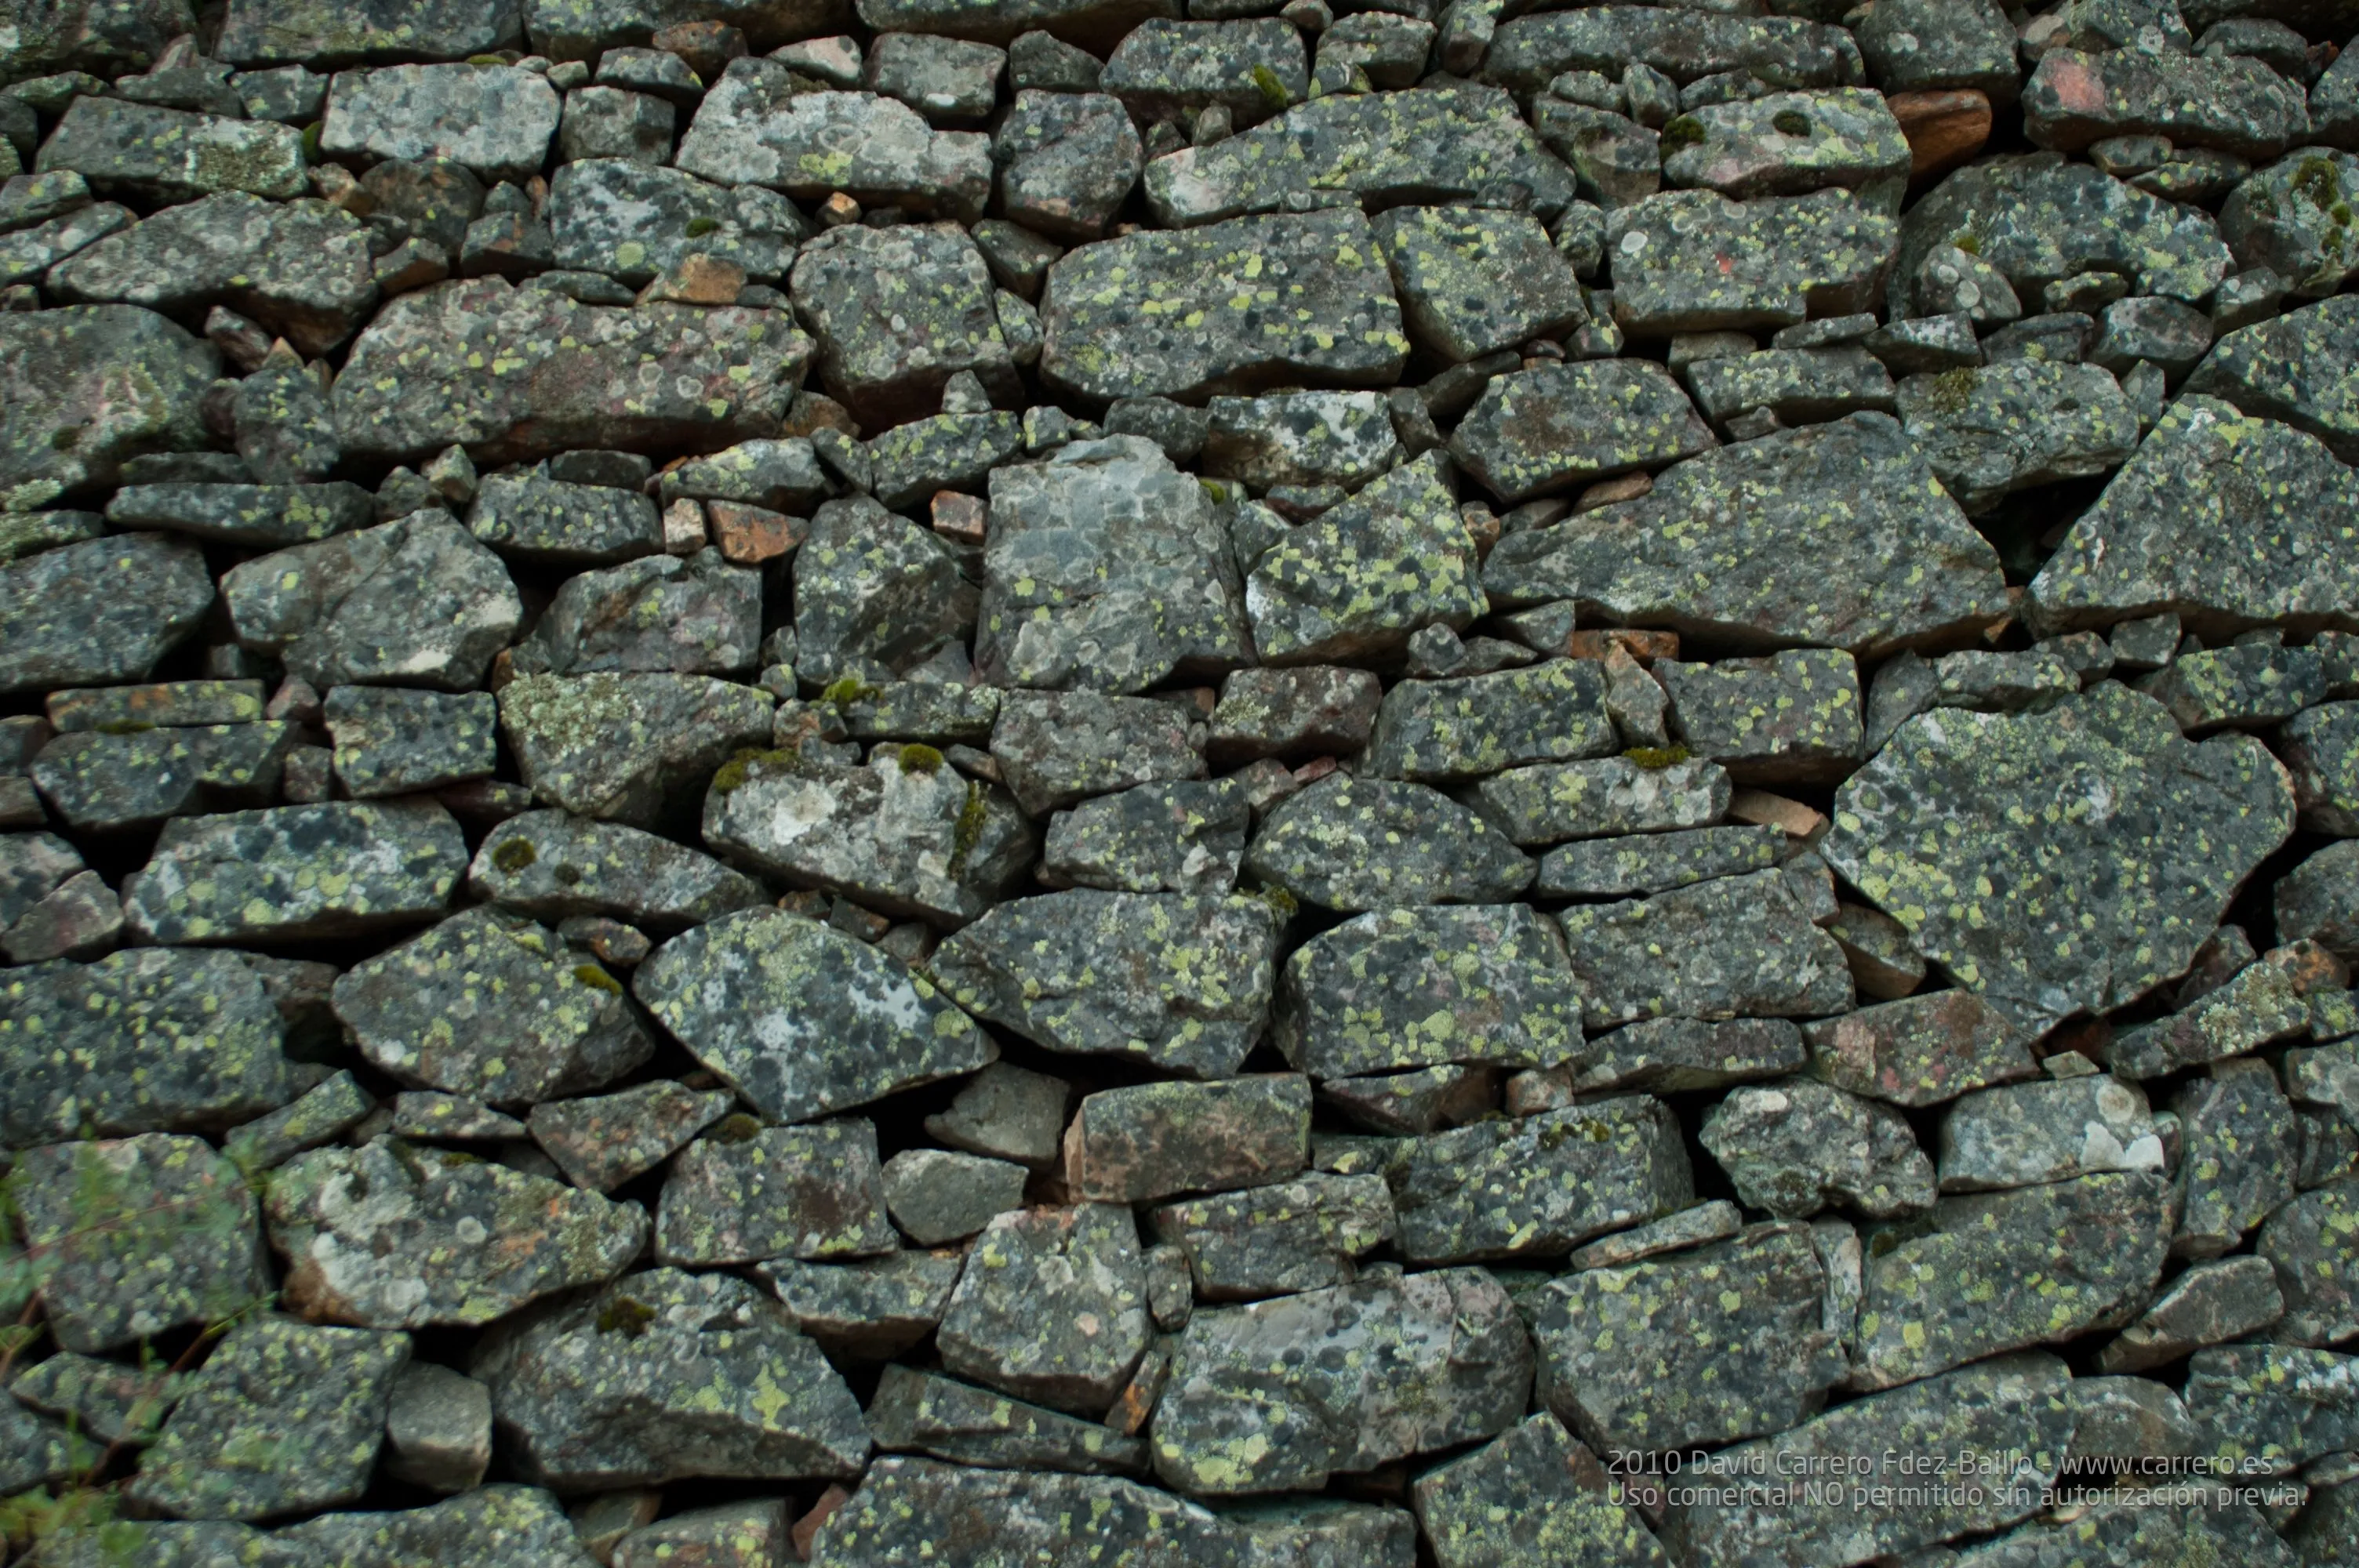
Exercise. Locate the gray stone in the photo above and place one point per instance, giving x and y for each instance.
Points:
(495, 120)
(628, 748)
(1694, 261)
(1793, 717)
(553, 866)
(1053, 1309)
(870, 1308)
(2272, 1408)
(936, 1196)
(1732, 948)
(106, 783)
(2320, 746)
(284, 1418)
(538, 519)
(2087, 910)
(2240, 1153)
(92, 386)
(746, 1193)
(393, 1235)
(1529, 1497)
(1183, 836)
(906, 1509)
(1920, 1049)
(1299, 439)
(1796, 1147)
(1105, 568)
(2021, 1135)
(2210, 1303)
(800, 1018)
(1834, 535)
(1666, 1056)
(1056, 749)
(1680, 43)
(439, 1429)
(1656, 862)
(1181, 982)
(1538, 1186)
(2249, 685)
(2311, 1242)
(1454, 731)
(498, 1526)
(1103, 304)
(1169, 71)
(1322, 845)
(921, 1413)
(1008, 1113)
(1066, 161)
(1542, 430)
(755, 127)
(1550, 802)
(665, 1374)
(1706, 1346)
(294, 872)
(2232, 104)
(2319, 898)
(392, 741)
(695, 615)
(2259, 1004)
(1787, 144)
(1473, 281)
(168, 155)
(950, 452)
(1302, 1235)
(1796, 386)
(109, 1402)
(896, 313)
(1990, 431)
(1152, 1141)
(602, 1142)
(264, 32)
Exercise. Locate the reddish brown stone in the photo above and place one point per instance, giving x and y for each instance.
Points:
(748, 536)
(963, 518)
(1642, 645)
(1944, 129)
(1920, 1051)
(807, 1526)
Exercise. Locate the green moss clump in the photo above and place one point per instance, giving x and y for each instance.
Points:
(1970, 243)
(2315, 183)
(919, 759)
(1655, 759)
(700, 227)
(1279, 899)
(65, 438)
(625, 1316)
(1951, 390)
(1272, 91)
(596, 978)
(737, 1128)
(847, 690)
(1791, 122)
(734, 773)
(514, 855)
(968, 833)
(1684, 130)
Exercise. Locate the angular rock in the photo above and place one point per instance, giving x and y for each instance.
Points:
(602, 1142)
(495, 120)
(1357, 582)
(1181, 982)
(2320, 749)
(93, 386)
(637, 221)
(1786, 144)
(552, 865)
(1706, 1346)
(920, 1412)
(629, 748)
(2001, 1271)
(1656, 862)
(1007, 1113)
(266, 32)
(2025, 1134)
(518, 374)
(912, 840)
(1474, 281)
(936, 1196)
(1796, 1147)
(1302, 1235)
(392, 1235)
(2248, 686)
(1694, 261)
(417, 602)
(1105, 568)
(296, 872)
(906, 1509)
(747, 1193)
(1053, 1308)
(537, 520)
(1732, 948)
(2272, 1408)
(875, 595)
(1544, 804)
(1990, 431)
(665, 1374)
(1527, 1497)
(1834, 535)
(2096, 902)
(1284, 1393)
(1456, 730)
(392, 741)
(130, 1238)
(2240, 1153)
(284, 1418)
(1538, 1186)
(1320, 846)
(871, 1308)
(1183, 836)
(803, 1019)
(1542, 430)
(1105, 304)
(1666, 1056)
(1067, 161)
(1151, 1142)
(755, 127)
(1920, 1049)
(2210, 1303)
(168, 155)
(2257, 1005)
(498, 1526)
(2314, 1243)
(1793, 717)
(2233, 105)
(896, 313)
(104, 783)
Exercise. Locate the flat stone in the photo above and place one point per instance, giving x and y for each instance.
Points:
(755, 127)
(1797, 1147)
(906, 1509)
(1053, 1309)
(2021, 1135)
(744, 1533)
(665, 1374)
(948, 451)
(125, 381)
(284, 1418)
(1667, 1055)
(1320, 846)
(2235, 105)
(109, 1402)
(1920, 1049)
(1553, 801)
(2272, 1407)
(1152, 1141)
(1178, 981)
(745, 1192)
(1527, 1497)
(2001, 1271)
(1656, 862)
(498, 1526)
(99, 782)
(417, 602)
(921, 1413)
(2282, 218)
(1796, 386)
(935, 1195)
(1188, 835)
(1416, 988)
(393, 1235)
(553, 866)
(1793, 717)
(637, 221)
(2320, 749)
(132, 1237)
(266, 32)
(168, 155)
(1471, 281)
(1787, 144)
(869, 1308)
(1539, 1185)
(393, 740)
(1835, 535)
(1455, 731)
(2210, 1303)
(896, 313)
(1284, 1394)
(1105, 303)
(1990, 431)
(299, 268)
(803, 1019)
(484, 364)
(1451, 143)
(626, 747)
(2248, 686)
(2012, 1406)
(496, 120)
(1008, 1113)
(2310, 1242)
(601, 1141)
(1706, 1346)
(1694, 261)
(1683, 44)
(1542, 430)
(296, 872)
(1302, 1235)
(1105, 568)
(1358, 581)
(2096, 909)
(1733, 948)
(492, 1006)
(2258, 1005)
(537, 519)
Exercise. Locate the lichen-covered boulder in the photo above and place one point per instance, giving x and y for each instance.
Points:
(89, 386)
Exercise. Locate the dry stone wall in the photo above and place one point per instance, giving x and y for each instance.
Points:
(1179, 783)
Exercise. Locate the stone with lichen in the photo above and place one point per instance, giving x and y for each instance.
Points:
(1052, 1307)
(1538, 1186)
(293, 873)
(553, 865)
(1360, 844)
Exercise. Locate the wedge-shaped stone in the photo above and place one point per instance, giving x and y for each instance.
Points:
(125, 381)
(1539, 1185)
(514, 374)
(1178, 981)
(1565, 425)
(1610, 795)
(636, 221)
(1420, 988)
(295, 872)
(1151, 1142)
(1836, 534)
(1920, 1049)
(2296, 368)
(924, 1412)
(393, 1235)
(1694, 261)
(1052, 1307)
(919, 841)
(756, 127)
(2111, 843)
(803, 1019)
(1105, 306)
(1283, 1394)
(1360, 844)
(2003, 1270)
(2231, 102)
(870, 1308)
(1302, 1235)
(1474, 280)
(1105, 568)
(600, 1142)
(907, 1511)
(1448, 144)
(1704, 1346)
(631, 748)
(1994, 429)
(273, 32)
(1732, 948)
(1449, 731)
(665, 1374)
(499, 1526)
